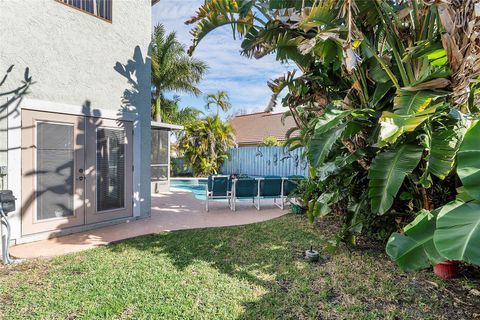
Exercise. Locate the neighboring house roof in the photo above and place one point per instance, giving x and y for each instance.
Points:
(253, 128)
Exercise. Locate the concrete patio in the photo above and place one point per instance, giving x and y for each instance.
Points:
(175, 210)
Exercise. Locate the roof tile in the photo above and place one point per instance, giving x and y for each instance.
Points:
(253, 128)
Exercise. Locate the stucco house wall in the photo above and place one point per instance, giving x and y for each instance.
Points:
(81, 64)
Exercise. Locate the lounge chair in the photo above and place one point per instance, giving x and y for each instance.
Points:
(218, 187)
(244, 188)
(271, 187)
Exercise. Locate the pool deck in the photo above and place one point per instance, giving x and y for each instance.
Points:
(175, 210)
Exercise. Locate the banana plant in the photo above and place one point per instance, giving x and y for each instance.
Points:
(468, 162)
(415, 248)
(442, 141)
(387, 173)
(375, 84)
(451, 232)
(458, 231)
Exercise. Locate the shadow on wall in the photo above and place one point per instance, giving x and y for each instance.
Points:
(57, 189)
(14, 96)
(58, 182)
(55, 181)
(55, 185)
(137, 73)
(136, 99)
(10, 97)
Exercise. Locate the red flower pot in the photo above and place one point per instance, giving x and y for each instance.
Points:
(446, 270)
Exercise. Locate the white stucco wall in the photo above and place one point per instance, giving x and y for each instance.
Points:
(77, 59)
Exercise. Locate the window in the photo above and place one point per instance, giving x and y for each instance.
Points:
(99, 8)
(160, 155)
(54, 173)
(110, 169)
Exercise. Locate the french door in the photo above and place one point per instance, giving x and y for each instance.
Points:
(75, 170)
(109, 170)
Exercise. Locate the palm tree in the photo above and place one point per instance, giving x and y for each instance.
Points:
(172, 69)
(220, 99)
(205, 144)
(171, 112)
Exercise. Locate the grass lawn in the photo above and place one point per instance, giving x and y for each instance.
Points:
(254, 271)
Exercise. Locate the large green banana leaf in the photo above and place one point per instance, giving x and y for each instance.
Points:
(387, 172)
(322, 205)
(412, 102)
(393, 125)
(381, 90)
(331, 118)
(410, 111)
(468, 168)
(319, 146)
(445, 142)
(415, 249)
(329, 168)
(457, 236)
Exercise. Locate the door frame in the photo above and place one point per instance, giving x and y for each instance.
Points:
(30, 121)
(92, 214)
(14, 155)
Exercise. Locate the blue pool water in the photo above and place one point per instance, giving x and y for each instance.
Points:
(197, 186)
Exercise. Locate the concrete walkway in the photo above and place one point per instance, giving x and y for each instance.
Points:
(175, 210)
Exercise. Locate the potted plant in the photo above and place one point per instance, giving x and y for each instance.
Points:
(446, 270)
(296, 208)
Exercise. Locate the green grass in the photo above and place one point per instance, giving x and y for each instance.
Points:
(254, 271)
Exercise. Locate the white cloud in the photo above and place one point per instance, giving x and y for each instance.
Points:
(244, 79)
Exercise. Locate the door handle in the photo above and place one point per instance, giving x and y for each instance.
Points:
(81, 178)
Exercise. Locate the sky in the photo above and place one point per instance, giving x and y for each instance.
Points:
(244, 79)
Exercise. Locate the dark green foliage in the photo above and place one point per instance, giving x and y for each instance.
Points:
(296, 209)
(171, 112)
(382, 104)
(205, 143)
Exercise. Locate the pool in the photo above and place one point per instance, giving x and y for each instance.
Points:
(197, 186)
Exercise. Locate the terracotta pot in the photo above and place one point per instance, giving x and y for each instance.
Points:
(446, 270)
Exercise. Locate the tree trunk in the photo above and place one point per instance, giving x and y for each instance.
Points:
(156, 114)
(426, 201)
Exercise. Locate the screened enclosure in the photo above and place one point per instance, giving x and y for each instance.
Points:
(160, 156)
